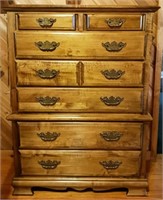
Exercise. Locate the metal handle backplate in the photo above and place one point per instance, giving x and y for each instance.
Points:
(111, 101)
(114, 46)
(47, 101)
(115, 22)
(49, 164)
(112, 74)
(47, 74)
(110, 165)
(48, 136)
(45, 22)
(47, 46)
(111, 135)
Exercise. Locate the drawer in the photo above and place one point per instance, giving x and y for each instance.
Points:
(74, 73)
(80, 135)
(133, 22)
(44, 21)
(112, 73)
(68, 45)
(80, 163)
(80, 100)
(46, 73)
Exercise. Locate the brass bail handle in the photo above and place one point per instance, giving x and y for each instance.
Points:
(110, 165)
(115, 22)
(47, 73)
(47, 46)
(111, 101)
(45, 22)
(49, 164)
(47, 101)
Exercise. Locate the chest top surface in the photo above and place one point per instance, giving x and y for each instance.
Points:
(80, 5)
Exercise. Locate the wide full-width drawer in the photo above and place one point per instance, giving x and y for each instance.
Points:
(80, 163)
(68, 45)
(114, 21)
(80, 100)
(43, 21)
(80, 135)
(75, 73)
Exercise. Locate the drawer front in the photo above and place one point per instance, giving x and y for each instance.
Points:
(113, 73)
(74, 73)
(46, 73)
(110, 45)
(80, 135)
(114, 22)
(80, 163)
(44, 21)
(80, 100)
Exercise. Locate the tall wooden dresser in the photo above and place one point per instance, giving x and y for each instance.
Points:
(82, 79)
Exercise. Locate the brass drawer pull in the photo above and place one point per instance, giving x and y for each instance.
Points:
(111, 135)
(47, 46)
(110, 165)
(46, 22)
(49, 164)
(47, 101)
(114, 46)
(111, 101)
(112, 74)
(115, 22)
(48, 136)
(47, 74)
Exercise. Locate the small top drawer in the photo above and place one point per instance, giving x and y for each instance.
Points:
(46, 21)
(114, 22)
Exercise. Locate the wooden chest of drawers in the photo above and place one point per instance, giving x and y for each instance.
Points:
(81, 97)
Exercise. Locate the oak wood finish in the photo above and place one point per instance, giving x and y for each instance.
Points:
(134, 185)
(122, 104)
(80, 135)
(83, 5)
(99, 73)
(5, 125)
(84, 163)
(114, 22)
(7, 170)
(80, 100)
(46, 21)
(71, 46)
(79, 117)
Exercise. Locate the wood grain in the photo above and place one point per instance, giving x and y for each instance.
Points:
(61, 21)
(92, 2)
(80, 135)
(84, 163)
(5, 126)
(100, 22)
(7, 144)
(79, 117)
(155, 185)
(72, 47)
(81, 100)
(67, 73)
(23, 45)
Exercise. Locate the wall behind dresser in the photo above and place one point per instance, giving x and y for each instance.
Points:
(5, 126)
